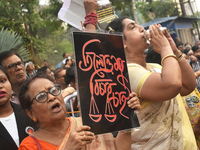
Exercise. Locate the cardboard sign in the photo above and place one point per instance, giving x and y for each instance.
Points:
(103, 83)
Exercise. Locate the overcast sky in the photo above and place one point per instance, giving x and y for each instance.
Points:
(42, 2)
(198, 4)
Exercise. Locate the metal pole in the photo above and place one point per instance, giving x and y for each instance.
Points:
(182, 7)
(191, 7)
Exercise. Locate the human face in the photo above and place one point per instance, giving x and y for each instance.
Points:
(29, 67)
(197, 53)
(66, 55)
(60, 79)
(50, 74)
(51, 110)
(18, 75)
(5, 89)
(134, 36)
(190, 53)
(181, 48)
(70, 62)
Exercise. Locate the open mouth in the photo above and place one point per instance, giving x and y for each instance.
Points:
(56, 107)
(2, 94)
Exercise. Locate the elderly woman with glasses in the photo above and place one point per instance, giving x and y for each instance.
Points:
(44, 104)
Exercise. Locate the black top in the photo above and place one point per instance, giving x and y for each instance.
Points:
(23, 121)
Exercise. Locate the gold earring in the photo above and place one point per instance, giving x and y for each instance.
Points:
(34, 119)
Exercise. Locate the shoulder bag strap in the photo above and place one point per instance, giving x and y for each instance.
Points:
(37, 143)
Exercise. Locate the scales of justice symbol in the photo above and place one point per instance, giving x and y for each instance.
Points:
(94, 112)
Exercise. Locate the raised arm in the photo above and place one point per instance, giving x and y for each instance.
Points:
(167, 84)
(91, 19)
(188, 77)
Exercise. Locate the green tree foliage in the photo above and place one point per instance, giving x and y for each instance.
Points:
(123, 8)
(49, 15)
(55, 45)
(157, 9)
(11, 19)
(47, 32)
(9, 9)
(56, 38)
(11, 41)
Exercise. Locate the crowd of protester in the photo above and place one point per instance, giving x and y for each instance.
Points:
(167, 95)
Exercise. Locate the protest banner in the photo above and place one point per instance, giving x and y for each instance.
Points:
(103, 83)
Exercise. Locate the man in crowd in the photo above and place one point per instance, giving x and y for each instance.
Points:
(180, 46)
(16, 71)
(60, 77)
(62, 63)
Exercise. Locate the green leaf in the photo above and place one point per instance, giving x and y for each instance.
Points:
(10, 40)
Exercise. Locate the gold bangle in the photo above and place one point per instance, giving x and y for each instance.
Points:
(180, 59)
(170, 55)
(180, 56)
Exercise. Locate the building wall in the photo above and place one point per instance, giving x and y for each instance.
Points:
(181, 29)
(185, 35)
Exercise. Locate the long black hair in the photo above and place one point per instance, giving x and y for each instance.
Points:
(152, 56)
(2, 68)
(116, 25)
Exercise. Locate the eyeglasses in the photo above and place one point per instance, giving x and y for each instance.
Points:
(43, 96)
(14, 65)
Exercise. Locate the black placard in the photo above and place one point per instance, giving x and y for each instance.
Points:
(103, 83)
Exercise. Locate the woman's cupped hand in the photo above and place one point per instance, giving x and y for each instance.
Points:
(79, 138)
(158, 39)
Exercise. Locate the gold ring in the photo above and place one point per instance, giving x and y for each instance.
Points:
(149, 39)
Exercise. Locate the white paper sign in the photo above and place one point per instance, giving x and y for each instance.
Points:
(72, 12)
